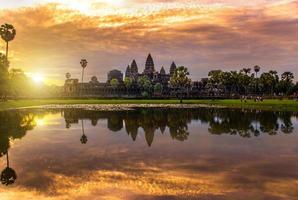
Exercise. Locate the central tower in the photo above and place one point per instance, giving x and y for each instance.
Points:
(149, 66)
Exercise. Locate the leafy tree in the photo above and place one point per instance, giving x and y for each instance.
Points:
(180, 80)
(215, 79)
(94, 80)
(114, 83)
(287, 76)
(246, 70)
(286, 83)
(268, 81)
(128, 82)
(158, 88)
(8, 33)
(18, 82)
(145, 84)
(4, 64)
(245, 79)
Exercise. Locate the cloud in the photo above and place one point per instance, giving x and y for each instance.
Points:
(52, 39)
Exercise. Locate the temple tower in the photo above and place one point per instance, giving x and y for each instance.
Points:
(134, 67)
(173, 68)
(149, 66)
(128, 72)
(162, 71)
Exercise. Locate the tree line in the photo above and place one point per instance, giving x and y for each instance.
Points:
(247, 81)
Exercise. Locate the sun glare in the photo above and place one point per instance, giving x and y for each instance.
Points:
(37, 78)
(40, 122)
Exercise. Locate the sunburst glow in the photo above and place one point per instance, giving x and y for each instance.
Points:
(37, 78)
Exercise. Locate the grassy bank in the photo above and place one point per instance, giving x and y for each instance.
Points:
(290, 105)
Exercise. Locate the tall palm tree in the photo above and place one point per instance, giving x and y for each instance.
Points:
(83, 65)
(257, 68)
(8, 33)
(8, 175)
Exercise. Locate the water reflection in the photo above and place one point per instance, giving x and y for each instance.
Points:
(52, 161)
(244, 123)
(8, 175)
(221, 121)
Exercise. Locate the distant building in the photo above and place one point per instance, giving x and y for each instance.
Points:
(72, 87)
(156, 77)
(149, 66)
(115, 74)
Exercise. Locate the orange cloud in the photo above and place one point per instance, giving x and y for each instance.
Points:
(52, 39)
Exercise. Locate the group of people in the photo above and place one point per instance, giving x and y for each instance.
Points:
(256, 99)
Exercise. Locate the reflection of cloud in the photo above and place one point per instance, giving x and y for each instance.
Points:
(51, 163)
(216, 36)
(158, 182)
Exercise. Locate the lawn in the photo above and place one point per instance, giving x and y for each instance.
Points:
(291, 105)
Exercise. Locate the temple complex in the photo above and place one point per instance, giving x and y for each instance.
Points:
(156, 77)
(73, 87)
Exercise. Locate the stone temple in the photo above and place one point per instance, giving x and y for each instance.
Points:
(161, 76)
(73, 87)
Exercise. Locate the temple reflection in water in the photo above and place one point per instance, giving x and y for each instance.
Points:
(243, 123)
(50, 152)
(220, 121)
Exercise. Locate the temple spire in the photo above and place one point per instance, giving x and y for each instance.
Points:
(149, 66)
(134, 67)
(162, 71)
(128, 71)
(173, 68)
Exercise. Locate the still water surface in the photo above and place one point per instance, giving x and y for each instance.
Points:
(203, 153)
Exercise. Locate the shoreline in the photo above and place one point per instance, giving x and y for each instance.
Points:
(126, 107)
(121, 104)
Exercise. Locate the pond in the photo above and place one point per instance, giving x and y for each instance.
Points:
(205, 153)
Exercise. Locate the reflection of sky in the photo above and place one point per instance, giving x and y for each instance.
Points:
(51, 162)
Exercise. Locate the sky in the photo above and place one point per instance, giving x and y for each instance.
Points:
(53, 36)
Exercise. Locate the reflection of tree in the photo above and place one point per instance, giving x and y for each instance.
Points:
(178, 125)
(84, 138)
(8, 175)
(244, 123)
(115, 122)
(14, 125)
(287, 125)
(268, 122)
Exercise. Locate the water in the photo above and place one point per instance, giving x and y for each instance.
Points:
(149, 154)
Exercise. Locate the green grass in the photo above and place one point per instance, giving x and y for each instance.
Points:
(290, 105)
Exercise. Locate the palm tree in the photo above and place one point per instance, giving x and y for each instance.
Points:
(246, 70)
(257, 68)
(287, 76)
(8, 33)
(8, 175)
(84, 65)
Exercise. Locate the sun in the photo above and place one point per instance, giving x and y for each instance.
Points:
(115, 2)
(37, 78)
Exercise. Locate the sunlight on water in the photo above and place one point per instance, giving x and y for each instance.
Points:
(148, 154)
